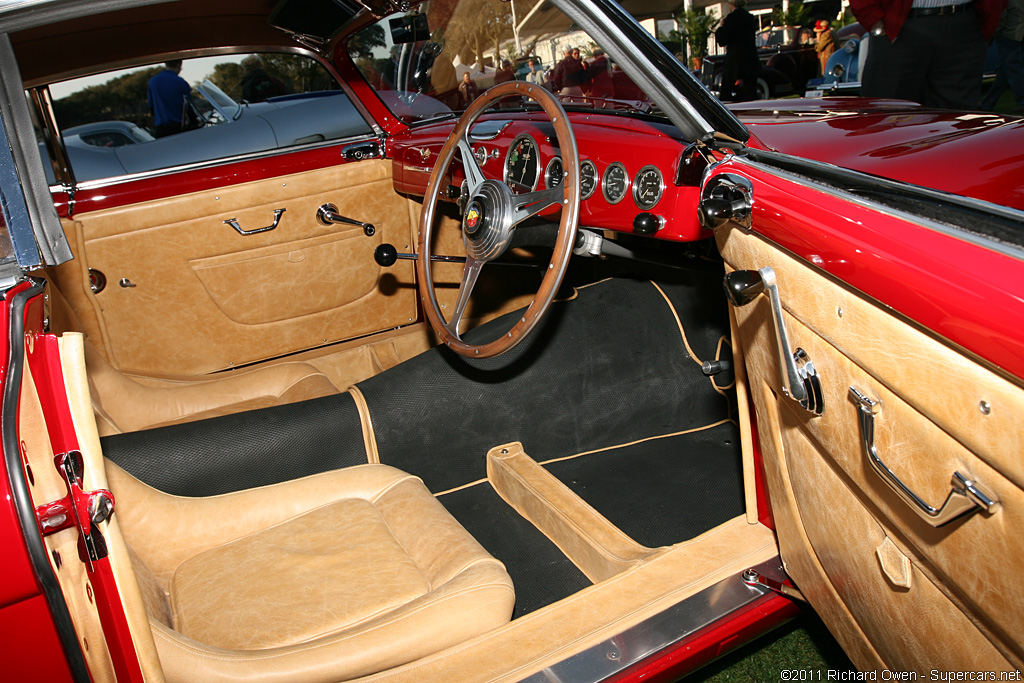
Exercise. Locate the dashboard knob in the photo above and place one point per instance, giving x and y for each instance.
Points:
(385, 255)
(647, 224)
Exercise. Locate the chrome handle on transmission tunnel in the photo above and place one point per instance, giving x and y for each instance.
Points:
(233, 222)
(965, 496)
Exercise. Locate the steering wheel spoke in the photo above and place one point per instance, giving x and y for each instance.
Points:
(474, 174)
(530, 204)
(470, 274)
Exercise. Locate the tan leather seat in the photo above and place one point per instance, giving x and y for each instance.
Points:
(326, 578)
(124, 404)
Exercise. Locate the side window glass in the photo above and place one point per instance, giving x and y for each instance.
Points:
(204, 109)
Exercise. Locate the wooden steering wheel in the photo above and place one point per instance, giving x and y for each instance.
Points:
(492, 213)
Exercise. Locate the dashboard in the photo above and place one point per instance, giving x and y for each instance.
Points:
(635, 175)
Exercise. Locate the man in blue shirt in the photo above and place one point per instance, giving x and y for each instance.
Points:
(168, 94)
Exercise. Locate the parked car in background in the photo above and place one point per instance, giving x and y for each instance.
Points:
(533, 388)
(842, 72)
(788, 61)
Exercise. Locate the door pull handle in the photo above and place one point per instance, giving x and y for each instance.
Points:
(233, 222)
(965, 496)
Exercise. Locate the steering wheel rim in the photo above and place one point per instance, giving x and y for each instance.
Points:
(487, 235)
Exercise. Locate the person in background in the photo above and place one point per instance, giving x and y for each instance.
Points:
(825, 44)
(928, 51)
(601, 84)
(534, 75)
(1010, 48)
(570, 75)
(468, 90)
(504, 74)
(742, 66)
(168, 96)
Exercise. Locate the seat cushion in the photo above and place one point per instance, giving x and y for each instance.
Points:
(324, 571)
(327, 578)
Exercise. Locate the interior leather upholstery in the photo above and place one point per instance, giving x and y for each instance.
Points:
(357, 571)
(124, 404)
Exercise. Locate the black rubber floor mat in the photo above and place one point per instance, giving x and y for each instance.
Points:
(662, 491)
(245, 450)
(606, 368)
(540, 572)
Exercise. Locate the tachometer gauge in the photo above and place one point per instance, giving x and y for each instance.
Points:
(521, 165)
(615, 183)
(648, 187)
(588, 179)
(553, 174)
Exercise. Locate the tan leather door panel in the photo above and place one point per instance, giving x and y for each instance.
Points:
(897, 592)
(204, 297)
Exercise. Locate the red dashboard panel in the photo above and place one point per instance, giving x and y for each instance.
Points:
(603, 139)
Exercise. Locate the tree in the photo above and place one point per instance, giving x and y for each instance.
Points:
(796, 15)
(228, 77)
(122, 98)
(698, 27)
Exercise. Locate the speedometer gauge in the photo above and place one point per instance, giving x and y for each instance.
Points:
(521, 165)
(554, 173)
(648, 187)
(588, 179)
(616, 183)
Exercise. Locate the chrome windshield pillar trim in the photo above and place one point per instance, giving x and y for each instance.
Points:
(965, 496)
(32, 223)
(630, 647)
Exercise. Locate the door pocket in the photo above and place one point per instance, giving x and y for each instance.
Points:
(292, 279)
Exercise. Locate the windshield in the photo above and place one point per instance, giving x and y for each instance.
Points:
(440, 57)
(227, 108)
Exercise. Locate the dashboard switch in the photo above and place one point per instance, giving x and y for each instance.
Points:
(647, 224)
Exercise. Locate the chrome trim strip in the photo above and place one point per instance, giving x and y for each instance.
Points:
(1004, 212)
(635, 644)
(117, 180)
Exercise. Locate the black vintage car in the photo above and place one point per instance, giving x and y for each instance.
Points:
(788, 61)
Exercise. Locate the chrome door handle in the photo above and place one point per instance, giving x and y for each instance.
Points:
(965, 496)
(233, 222)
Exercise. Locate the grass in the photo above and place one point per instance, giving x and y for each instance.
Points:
(804, 643)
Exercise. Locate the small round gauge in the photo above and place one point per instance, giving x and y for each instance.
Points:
(615, 183)
(553, 174)
(522, 166)
(588, 179)
(648, 187)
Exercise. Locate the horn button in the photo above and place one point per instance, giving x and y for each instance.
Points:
(487, 223)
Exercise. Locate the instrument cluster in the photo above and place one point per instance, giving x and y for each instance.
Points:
(522, 173)
(635, 176)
